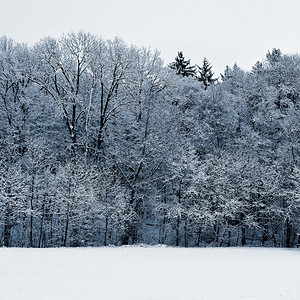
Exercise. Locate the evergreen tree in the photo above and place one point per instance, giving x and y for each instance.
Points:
(257, 69)
(182, 66)
(274, 57)
(205, 74)
(227, 74)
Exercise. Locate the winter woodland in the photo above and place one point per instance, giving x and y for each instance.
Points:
(102, 144)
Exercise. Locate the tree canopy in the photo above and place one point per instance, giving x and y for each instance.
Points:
(101, 144)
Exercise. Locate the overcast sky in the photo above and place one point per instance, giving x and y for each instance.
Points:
(224, 31)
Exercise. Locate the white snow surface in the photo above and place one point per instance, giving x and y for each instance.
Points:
(149, 273)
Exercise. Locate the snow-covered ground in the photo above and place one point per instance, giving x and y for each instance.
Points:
(149, 273)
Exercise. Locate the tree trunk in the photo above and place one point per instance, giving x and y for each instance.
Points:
(66, 227)
(288, 229)
(178, 217)
(7, 226)
(177, 230)
(186, 242)
(31, 212)
(41, 225)
(243, 241)
(199, 237)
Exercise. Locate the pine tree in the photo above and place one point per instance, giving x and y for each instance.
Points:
(205, 74)
(257, 69)
(227, 74)
(274, 57)
(182, 66)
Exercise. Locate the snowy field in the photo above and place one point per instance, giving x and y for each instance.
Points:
(149, 273)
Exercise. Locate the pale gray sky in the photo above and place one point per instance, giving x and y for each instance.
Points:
(224, 31)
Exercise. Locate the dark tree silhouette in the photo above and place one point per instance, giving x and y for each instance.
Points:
(205, 74)
(182, 66)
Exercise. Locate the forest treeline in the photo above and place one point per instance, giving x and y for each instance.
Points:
(101, 144)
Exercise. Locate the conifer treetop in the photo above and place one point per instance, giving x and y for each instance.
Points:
(182, 66)
(205, 73)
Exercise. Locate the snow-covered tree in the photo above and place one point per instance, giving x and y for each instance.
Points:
(205, 74)
(182, 66)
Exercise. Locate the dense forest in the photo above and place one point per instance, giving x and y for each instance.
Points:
(102, 144)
